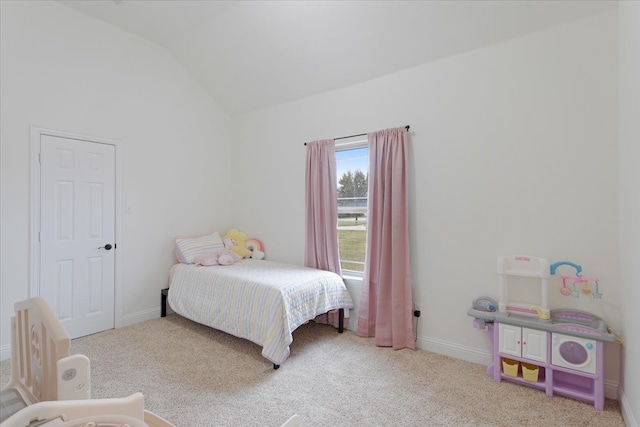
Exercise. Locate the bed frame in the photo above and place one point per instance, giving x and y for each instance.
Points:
(163, 313)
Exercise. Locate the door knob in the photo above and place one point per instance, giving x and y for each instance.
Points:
(107, 247)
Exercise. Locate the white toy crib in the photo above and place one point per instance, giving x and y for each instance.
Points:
(48, 387)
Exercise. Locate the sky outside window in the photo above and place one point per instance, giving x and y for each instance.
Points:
(352, 160)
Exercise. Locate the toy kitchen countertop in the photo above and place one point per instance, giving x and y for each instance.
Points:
(563, 321)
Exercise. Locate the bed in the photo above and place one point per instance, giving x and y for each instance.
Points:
(258, 300)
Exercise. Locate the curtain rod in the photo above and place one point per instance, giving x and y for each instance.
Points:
(360, 134)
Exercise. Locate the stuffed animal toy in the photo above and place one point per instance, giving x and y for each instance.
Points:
(227, 256)
(257, 254)
(224, 256)
(256, 247)
(241, 242)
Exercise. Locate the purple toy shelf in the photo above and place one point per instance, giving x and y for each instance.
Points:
(547, 374)
(559, 351)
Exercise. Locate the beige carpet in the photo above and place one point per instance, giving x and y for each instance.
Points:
(196, 376)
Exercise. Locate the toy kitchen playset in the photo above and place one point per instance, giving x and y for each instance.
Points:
(559, 351)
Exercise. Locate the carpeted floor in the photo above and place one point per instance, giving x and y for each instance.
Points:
(196, 376)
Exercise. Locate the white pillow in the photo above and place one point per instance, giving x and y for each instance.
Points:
(188, 249)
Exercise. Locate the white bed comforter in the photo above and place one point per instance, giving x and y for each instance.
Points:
(262, 301)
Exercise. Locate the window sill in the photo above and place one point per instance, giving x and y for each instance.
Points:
(352, 279)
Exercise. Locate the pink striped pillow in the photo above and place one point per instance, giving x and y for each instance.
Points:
(188, 249)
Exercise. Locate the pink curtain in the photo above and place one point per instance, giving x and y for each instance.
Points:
(387, 302)
(321, 208)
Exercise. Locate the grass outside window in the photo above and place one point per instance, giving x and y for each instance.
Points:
(352, 248)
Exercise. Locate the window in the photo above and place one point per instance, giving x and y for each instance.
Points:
(352, 170)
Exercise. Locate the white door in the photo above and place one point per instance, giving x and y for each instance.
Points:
(77, 232)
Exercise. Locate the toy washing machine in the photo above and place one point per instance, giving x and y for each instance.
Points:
(574, 353)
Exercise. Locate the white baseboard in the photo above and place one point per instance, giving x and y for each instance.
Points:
(611, 389)
(140, 316)
(5, 352)
(351, 323)
(474, 355)
(627, 413)
(454, 350)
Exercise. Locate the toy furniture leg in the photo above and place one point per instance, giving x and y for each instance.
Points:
(492, 362)
(598, 396)
(497, 365)
(548, 379)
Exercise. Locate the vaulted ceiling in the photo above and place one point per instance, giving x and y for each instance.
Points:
(255, 54)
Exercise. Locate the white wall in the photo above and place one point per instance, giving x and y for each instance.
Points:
(63, 71)
(630, 207)
(513, 150)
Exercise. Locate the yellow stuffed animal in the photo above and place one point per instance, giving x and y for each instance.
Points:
(241, 240)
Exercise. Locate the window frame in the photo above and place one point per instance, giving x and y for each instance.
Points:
(348, 144)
